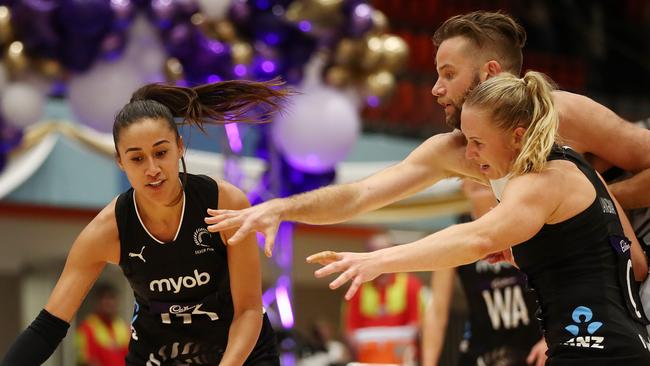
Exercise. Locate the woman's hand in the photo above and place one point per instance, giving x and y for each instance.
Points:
(355, 267)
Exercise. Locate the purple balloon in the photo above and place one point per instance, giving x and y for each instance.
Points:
(212, 59)
(35, 25)
(360, 20)
(124, 13)
(182, 40)
(240, 12)
(78, 54)
(112, 45)
(170, 12)
(85, 18)
(10, 138)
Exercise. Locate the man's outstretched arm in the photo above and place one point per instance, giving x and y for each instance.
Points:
(439, 157)
(590, 127)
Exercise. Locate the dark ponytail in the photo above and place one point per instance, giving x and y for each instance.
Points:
(217, 103)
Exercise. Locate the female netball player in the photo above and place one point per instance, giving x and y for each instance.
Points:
(197, 301)
(554, 212)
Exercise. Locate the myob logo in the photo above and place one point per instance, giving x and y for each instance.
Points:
(176, 284)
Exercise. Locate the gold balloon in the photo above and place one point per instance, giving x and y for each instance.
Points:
(242, 53)
(338, 76)
(6, 31)
(204, 24)
(322, 13)
(295, 12)
(372, 54)
(380, 84)
(173, 69)
(348, 51)
(225, 31)
(17, 61)
(49, 68)
(379, 22)
(395, 52)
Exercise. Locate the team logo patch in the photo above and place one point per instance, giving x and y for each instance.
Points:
(582, 316)
(201, 239)
(607, 205)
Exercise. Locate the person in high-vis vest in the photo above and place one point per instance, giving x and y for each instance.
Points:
(103, 337)
(382, 320)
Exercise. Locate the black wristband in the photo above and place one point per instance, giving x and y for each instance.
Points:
(37, 343)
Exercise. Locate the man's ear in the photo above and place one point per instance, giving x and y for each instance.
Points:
(490, 69)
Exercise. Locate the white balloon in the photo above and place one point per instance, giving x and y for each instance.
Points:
(96, 96)
(145, 51)
(318, 130)
(4, 77)
(214, 9)
(22, 104)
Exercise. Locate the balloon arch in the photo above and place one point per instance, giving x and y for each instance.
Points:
(95, 53)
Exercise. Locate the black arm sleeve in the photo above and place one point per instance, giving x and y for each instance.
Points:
(37, 343)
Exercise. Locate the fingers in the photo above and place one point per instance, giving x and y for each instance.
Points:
(327, 270)
(269, 242)
(324, 258)
(239, 235)
(222, 220)
(354, 287)
(531, 357)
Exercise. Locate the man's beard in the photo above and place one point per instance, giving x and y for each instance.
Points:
(453, 120)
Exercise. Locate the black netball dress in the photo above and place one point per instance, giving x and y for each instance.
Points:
(502, 327)
(581, 272)
(184, 307)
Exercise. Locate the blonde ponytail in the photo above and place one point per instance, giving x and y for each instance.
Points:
(525, 102)
(541, 133)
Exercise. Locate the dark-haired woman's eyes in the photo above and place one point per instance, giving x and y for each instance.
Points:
(161, 153)
(136, 159)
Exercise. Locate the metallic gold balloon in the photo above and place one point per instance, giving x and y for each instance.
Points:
(242, 52)
(323, 13)
(17, 61)
(380, 84)
(49, 68)
(379, 22)
(204, 24)
(295, 12)
(372, 54)
(338, 76)
(348, 51)
(6, 31)
(395, 52)
(173, 69)
(225, 31)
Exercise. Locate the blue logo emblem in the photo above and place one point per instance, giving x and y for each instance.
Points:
(583, 315)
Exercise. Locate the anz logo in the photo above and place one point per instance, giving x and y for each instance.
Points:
(582, 316)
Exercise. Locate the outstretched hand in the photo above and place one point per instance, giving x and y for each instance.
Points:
(261, 218)
(537, 355)
(355, 267)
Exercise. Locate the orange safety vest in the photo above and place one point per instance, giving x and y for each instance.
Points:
(98, 342)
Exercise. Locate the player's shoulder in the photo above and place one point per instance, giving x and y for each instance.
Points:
(230, 196)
